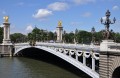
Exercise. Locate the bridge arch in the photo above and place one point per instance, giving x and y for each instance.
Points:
(68, 59)
(116, 73)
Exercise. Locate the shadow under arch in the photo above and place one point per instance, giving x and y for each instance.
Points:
(42, 55)
(116, 73)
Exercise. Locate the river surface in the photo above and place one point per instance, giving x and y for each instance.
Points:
(20, 67)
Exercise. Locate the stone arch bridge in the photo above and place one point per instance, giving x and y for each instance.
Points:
(104, 63)
(70, 53)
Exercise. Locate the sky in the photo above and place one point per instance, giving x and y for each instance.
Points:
(24, 15)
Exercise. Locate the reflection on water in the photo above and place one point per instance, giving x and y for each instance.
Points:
(20, 67)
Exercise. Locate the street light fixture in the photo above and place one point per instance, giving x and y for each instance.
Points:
(55, 36)
(107, 22)
(64, 32)
(93, 38)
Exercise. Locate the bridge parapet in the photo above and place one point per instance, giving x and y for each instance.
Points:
(78, 55)
(114, 47)
(76, 52)
(71, 46)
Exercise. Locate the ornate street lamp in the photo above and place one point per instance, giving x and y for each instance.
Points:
(107, 22)
(47, 34)
(47, 37)
(75, 37)
(55, 36)
(93, 31)
(64, 32)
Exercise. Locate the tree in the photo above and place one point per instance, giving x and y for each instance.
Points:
(34, 35)
(18, 37)
(69, 37)
(98, 36)
(50, 35)
(117, 37)
(66, 37)
(84, 37)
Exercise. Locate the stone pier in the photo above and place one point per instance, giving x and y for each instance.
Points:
(59, 32)
(109, 62)
(6, 46)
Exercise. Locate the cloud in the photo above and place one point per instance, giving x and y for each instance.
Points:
(29, 28)
(42, 14)
(79, 2)
(87, 14)
(104, 18)
(58, 6)
(115, 7)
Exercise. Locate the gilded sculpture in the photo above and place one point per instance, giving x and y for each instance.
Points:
(60, 23)
(5, 18)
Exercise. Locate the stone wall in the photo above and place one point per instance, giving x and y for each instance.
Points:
(109, 61)
(6, 50)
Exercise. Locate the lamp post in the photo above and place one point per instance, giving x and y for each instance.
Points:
(107, 22)
(93, 38)
(47, 37)
(106, 52)
(55, 36)
(74, 37)
(64, 32)
(76, 34)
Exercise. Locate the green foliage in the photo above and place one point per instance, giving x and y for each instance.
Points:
(98, 36)
(69, 38)
(51, 36)
(79, 36)
(18, 37)
(41, 35)
(84, 37)
(117, 37)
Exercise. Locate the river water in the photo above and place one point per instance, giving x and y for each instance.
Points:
(20, 67)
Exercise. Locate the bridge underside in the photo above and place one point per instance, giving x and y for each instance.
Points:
(42, 55)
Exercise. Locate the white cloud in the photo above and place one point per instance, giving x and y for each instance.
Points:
(83, 1)
(87, 14)
(29, 28)
(115, 7)
(104, 18)
(42, 14)
(58, 6)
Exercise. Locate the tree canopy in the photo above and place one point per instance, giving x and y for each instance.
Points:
(79, 36)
